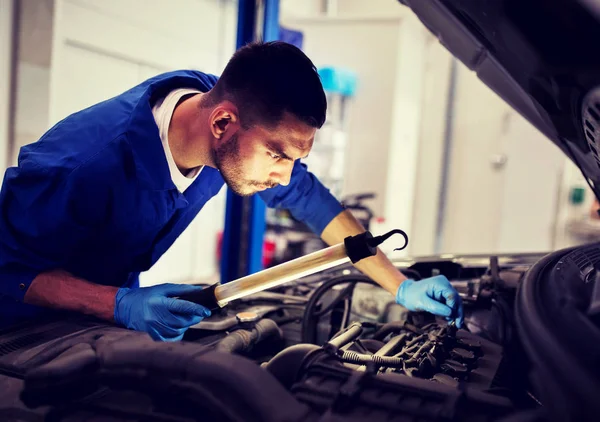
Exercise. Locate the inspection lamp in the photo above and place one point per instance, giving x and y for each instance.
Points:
(353, 249)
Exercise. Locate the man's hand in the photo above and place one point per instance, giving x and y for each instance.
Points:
(422, 295)
(435, 295)
(156, 311)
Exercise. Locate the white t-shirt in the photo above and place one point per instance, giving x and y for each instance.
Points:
(163, 112)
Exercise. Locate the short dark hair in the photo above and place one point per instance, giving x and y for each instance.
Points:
(266, 79)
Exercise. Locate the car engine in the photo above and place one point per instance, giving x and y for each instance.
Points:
(333, 346)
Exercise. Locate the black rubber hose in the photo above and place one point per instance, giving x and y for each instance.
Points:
(389, 328)
(286, 365)
(242, 340)
(289, 320)
(393, 327)
(341, 296)
(370, 345)
(309, 319)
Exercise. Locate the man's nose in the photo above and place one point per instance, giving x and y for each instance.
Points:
(283, 174)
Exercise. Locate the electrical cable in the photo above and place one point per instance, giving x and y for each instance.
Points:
(341, 296)
(501, 305)
(310, 318)
(346, 315)
(502, 323)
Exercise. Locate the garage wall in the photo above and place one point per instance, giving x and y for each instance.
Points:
(405, 138)
(341, 8)
(6, 40)
(431, 148)
(366, 8)
(121, 42)
(100, 49)
(504, 177)
(34, 41)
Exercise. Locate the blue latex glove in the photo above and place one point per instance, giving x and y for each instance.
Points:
(435, 295)
(156, 311)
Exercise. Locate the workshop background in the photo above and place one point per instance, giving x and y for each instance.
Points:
(445, 158)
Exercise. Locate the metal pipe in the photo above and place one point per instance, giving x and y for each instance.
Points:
(351, 334)
(275, 276)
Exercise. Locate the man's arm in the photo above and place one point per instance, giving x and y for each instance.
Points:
(154, 310)
(379, 268)
(46, 217)
(61, 290)
(309, 201)
(435, 294)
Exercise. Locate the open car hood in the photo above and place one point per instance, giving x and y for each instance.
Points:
(541, 56)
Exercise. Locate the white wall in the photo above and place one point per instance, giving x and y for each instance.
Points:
(369, 8)
(405, 137)
(494, 207)
(100, 49)
(341, 8)
(6, 40)
(299, 8)
(133, 38)
(35, 26)
(531, 187)
(432, 127)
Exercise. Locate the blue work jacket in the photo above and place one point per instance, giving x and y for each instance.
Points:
(94, 196)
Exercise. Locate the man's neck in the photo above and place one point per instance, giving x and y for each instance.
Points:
(189, 142)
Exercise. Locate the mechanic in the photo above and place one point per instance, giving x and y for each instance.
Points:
(106, 191)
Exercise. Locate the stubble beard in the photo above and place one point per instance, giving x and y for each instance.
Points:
(227, 160)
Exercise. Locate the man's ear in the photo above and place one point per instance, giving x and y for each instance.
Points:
(224, 121)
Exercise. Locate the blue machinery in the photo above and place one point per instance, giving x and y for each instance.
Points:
(245, 217)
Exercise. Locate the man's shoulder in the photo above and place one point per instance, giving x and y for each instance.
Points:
(103, 174)
(97, 139)
(60, 152)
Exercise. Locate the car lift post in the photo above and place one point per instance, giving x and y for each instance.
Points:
(245, 220)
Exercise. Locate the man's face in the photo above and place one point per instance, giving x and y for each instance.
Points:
(259, 158)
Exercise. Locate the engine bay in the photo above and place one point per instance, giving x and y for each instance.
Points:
(333, 346)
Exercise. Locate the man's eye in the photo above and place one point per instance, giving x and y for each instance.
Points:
(274, 156)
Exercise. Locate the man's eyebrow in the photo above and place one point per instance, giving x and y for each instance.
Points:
(276, 148)
(300, 144)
